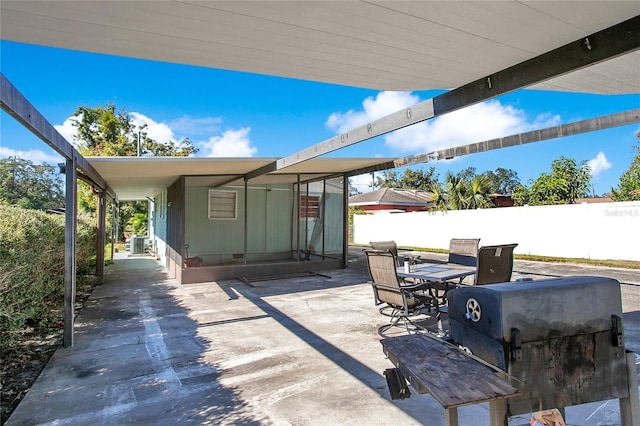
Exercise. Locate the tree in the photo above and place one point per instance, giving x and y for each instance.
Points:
(30, 186)
(439, 198)
(503, 181)
(456, 192)
(389, 179)
(520, 195)
(479, 191)
(567, 182)
(103, 131)
(466, 174)
(629, 186)
(466, 190)
(420, 179)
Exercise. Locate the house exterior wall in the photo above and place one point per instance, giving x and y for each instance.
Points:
(596, 231)
(175, 228)
(158, 225)
(222, 241)
(185, 230)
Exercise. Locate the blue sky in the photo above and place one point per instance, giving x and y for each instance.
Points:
(231, 114)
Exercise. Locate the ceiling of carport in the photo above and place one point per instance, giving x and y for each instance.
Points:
(135, 178)
(382, 45)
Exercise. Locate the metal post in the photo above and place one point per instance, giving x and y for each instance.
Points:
(345, 221)
(306, 219)
(296, 219)
(70, 252)
(116, 217)
(114, 228)
(246, 220)
(323, 214)
(102, 214)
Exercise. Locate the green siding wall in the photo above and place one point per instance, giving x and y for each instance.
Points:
(217, 241)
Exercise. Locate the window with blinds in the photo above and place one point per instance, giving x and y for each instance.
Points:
(222, 205)
(309, 206)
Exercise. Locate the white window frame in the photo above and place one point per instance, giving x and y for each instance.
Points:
(219, 206)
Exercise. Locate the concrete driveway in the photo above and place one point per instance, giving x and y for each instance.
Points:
(296, 351)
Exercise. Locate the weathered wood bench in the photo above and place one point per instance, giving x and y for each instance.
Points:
(453, 377)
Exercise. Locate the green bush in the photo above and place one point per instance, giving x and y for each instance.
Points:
(32, 255)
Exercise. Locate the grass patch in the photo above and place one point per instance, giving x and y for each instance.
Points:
(609, 263)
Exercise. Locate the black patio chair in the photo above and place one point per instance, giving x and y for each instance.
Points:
(393, 248)
(495, 264)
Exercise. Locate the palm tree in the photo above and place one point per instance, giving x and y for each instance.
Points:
(439, 198)
(479, 190)
(456, 192)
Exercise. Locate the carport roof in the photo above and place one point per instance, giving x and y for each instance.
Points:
(381, 45)
(135, 178)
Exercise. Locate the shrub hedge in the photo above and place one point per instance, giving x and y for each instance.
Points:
(32, 269)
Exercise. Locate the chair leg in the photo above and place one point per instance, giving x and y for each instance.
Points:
(409, 325)
(393, 322)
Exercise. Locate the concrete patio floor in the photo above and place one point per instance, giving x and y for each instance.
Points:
(297, 351)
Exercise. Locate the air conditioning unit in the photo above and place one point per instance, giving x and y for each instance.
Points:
(137, 245)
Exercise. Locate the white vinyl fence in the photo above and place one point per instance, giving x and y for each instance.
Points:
(596, 231)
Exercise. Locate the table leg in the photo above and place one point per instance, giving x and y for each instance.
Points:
(629, 412)
(451, 416)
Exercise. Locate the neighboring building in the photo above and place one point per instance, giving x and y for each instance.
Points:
(392, 200)
(591, 200)
(499, 200)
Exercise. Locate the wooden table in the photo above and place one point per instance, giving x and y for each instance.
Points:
(450, 375)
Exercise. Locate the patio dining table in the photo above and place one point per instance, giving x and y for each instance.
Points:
(437, 276)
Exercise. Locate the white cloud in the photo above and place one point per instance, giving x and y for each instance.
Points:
(232, 143)
(599, 164)
(159, 132)
(383, 104)
(67, 130)
(477, 123)
(36, 156)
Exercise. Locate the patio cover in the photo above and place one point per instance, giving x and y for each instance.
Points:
(381, 45)
(135, 178)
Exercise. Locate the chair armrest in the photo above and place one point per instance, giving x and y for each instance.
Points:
(403, 288)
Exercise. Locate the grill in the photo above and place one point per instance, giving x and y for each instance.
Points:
(560, 340)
